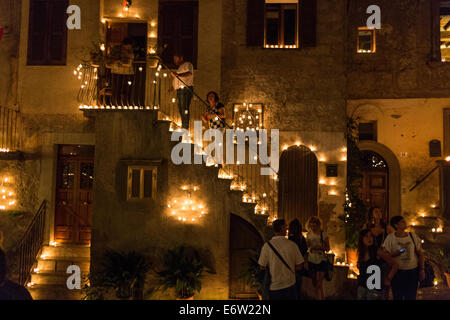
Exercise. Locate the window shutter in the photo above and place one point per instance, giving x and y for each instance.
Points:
(255, 22)
(47, 35)
(178, 30)
(308, 23)
(37, 33)
(57, 37)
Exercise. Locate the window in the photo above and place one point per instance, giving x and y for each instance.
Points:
(141, 182)
(366, 40)
(47, 33)
(178, 30)
(281, 23)
(445, 30)
(368, 131)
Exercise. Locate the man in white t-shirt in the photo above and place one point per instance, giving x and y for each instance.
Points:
(184, 88)
(282, 286)
(405, 248)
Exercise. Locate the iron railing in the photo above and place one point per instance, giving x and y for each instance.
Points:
(142, 88)
(423, 178)
(259, 189)
(10, 130)
(31, 244)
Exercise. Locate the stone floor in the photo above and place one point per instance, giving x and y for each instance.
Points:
(434, 293)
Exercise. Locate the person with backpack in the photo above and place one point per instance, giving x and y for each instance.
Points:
(318, 244)
(282, 257)
(405, 248)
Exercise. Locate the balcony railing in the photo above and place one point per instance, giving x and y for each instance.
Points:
(135, 87)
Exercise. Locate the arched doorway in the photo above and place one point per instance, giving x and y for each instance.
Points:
(245, 244)
(394, 174)
(298, 184)
(375, 182)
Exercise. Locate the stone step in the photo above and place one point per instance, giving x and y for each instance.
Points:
(54, 278)
(65, 251)
(54, 264)
(54, 292)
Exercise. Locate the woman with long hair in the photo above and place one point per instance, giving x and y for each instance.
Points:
(369, 254)
(318, 244)
(215, 115)
(295, 234)
(377, 225)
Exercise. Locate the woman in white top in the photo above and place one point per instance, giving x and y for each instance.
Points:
(318, 244)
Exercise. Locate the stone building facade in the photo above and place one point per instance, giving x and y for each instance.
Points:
(306, 92)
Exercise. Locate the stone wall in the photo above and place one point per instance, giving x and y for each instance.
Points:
(401, 66)
(303, 92)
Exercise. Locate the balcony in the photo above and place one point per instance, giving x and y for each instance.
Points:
(139, 86)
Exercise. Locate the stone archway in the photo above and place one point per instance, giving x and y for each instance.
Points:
(395, 207)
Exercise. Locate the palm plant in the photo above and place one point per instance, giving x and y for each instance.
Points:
(124, 272)
(252, 273)
(182, 270)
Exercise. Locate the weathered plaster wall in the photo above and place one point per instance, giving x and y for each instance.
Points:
(406, 127)
(148, 226)
(301, 89)
(9, 49)
(401, 66)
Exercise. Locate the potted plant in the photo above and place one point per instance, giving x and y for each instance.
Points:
(182, 271)
(125, 273)
(441, 257)
(251, 272)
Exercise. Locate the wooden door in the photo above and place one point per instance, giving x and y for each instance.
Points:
(245, 242)
(297, 185)
(74, 195)
(375, 183)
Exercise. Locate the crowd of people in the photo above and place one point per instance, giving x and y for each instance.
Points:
(289, 256)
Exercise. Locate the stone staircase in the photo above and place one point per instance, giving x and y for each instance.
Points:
(48, 277)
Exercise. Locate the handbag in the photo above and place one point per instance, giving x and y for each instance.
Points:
(329, 260)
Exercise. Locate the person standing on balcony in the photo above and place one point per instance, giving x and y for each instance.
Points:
(405, 248)
(8, 289)
(183, 83)
(121, 63)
